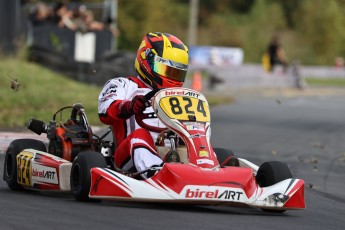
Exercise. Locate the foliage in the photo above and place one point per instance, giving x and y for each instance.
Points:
(153, 16)
(322, 30)
(311, 31)
(289, 8)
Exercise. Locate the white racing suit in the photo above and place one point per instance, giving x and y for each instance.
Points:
(135, 146)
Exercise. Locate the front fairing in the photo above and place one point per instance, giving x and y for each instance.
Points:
(186, 112)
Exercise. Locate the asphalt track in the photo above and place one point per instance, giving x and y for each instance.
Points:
(306, 132)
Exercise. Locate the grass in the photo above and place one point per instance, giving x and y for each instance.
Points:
(219, 100)
(330, 82)
(41, 93)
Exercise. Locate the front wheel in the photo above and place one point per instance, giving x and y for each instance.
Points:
(10, 164)
(270, 173)
(81, 173)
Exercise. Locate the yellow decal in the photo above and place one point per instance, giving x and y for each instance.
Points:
(24, 168)
(203, 153)
(142, 44)
(185, 108)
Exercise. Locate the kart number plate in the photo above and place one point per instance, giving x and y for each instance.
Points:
(24, 168)
(182, 107)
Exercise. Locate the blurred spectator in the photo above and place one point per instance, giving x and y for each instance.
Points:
(64, 16)
(42, 15)
(112, 27)
(89, 21)
(276, 54)
(77, 19)
(86, 22)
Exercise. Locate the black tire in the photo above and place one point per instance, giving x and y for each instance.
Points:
(222, 154)
(270, 173)
(80, 173)
(10, 164)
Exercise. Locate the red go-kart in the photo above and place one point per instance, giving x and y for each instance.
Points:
(203, 175)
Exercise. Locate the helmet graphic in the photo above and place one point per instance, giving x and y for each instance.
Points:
(162, 60)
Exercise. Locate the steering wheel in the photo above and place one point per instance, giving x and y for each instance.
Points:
(140, 117)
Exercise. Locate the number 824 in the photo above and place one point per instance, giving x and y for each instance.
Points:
(181, 107)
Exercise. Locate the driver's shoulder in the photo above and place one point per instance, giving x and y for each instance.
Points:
(119, 81)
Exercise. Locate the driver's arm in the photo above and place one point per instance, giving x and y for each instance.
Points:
(113, 104)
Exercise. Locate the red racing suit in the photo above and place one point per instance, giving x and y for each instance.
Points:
(135, 146)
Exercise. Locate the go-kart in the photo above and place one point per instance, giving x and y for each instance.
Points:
(203, 174)
(28, 164)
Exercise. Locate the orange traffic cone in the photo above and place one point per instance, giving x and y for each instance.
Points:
(196, 82)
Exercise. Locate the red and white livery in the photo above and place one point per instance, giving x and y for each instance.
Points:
(80, 164)
(199, 178)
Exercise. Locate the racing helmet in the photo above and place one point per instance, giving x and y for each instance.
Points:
(162, 60)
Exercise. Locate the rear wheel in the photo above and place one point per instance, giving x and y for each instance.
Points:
(10, 164)
(270, 173)
(81, 176)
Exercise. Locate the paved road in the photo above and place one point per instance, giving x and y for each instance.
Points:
(307, 132)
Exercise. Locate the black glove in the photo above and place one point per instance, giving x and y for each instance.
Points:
(136, 106)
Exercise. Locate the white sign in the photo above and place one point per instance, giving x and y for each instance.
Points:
(215, 56)
(85, 47)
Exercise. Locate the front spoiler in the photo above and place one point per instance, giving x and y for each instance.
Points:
(192, 185)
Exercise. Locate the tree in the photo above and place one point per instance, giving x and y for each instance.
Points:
(289, 8)
(139, 17)
(320, 25)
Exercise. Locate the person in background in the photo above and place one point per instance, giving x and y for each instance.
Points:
(85, 21)
(64, 16)
(87, 18)
(276, 54)
(161, 62)
(42, 15)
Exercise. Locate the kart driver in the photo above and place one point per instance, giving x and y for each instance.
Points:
(161, 62)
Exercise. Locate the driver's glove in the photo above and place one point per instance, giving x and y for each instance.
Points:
(129, 108)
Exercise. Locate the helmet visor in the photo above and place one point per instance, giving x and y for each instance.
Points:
(170, 69)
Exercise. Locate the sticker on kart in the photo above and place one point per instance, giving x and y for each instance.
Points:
(213, 192)
(44, 174)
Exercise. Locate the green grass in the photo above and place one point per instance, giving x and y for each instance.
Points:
(219, 100)
(337, 82)
(41, 93)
